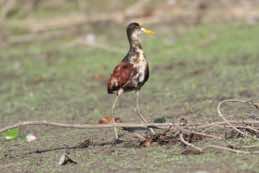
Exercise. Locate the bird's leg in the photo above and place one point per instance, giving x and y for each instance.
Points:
(113, 111)
(113, 107)
(114, 103)
(138, 108)
(139, 112)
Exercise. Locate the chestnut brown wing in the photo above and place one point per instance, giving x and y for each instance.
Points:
(121, 76)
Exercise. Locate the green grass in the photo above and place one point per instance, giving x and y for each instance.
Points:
(48, 80)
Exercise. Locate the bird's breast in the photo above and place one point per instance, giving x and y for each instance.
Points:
(140, 64)
(141, 69)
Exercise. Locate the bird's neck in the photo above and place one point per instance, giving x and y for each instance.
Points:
(135, 47)
(135, 54)
(134, 41)
(135, 44)
(135, 51)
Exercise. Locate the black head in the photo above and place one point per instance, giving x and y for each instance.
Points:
(133, 27)
(133, 30)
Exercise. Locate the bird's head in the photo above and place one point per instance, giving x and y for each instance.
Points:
(134, 30)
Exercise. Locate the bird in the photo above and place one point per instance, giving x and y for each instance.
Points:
(132, 72)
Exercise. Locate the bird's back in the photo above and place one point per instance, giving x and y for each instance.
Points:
(120, 76)
(128, 75)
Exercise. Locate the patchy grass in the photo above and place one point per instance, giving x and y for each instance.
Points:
(190, 72)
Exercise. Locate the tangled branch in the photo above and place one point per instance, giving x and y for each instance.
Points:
(223, 117)
(186, 134)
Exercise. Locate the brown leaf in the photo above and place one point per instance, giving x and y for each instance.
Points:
(147, 142)
(109, 120)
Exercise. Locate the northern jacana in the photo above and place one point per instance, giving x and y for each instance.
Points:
(132, 72)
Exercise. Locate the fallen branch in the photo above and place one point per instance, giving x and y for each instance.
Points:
(132, 125)
(86, 126)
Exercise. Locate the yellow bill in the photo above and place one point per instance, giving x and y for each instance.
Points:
(147, 31)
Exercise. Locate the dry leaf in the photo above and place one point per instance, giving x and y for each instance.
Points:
(109, 120)
(147, 142)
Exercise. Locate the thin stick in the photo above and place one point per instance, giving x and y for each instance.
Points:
(127, 125)
(223, 117)
(86, 126)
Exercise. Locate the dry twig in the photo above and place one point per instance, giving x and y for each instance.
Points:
(223, 117)
(86, 126)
